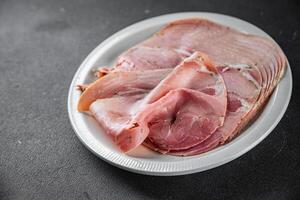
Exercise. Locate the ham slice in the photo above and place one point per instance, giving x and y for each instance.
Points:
(121, 84)
(183, 110)
(142, 57)
(242, 95)
(193, 92)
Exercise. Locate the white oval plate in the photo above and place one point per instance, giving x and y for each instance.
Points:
(145, 161)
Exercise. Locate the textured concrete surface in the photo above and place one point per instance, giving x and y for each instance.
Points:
(41, 45)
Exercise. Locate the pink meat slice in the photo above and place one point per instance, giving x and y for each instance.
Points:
(115, 113)
(242, 95)
(143, 57)
(183, 118)
(180, 97)
(183, 110)
(121, 83)
(115, 98)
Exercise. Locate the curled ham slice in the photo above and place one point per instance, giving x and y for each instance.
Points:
(183, 118)
(195, 83)
(182, 110)
(240, 101)
(120, 84)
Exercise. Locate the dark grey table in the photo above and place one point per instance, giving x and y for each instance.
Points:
(41, 45)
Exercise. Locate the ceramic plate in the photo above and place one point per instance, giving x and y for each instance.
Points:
(143, 160)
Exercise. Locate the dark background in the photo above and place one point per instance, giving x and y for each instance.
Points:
(42, 43)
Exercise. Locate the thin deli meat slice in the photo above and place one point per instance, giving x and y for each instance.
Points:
(143, 57)
(115, 113)
(182, 111)
(182, 119)
(194, 90)
(242, 95)
(115, 98)
(121, 83)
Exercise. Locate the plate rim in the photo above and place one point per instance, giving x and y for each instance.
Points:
(127, 165)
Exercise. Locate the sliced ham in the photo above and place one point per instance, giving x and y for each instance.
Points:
(184, 118)
(183, 110)
(242, 96)
(193, 92)
(115, 113)
(120, 83)
(161, 112)
(259, 60)
(142, 57)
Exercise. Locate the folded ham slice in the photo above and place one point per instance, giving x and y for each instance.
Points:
(183, 110)
(242, 95)
(114, 99)
(193, 92)
(121, 84)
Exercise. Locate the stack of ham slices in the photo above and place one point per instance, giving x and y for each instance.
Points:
(189, 88)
